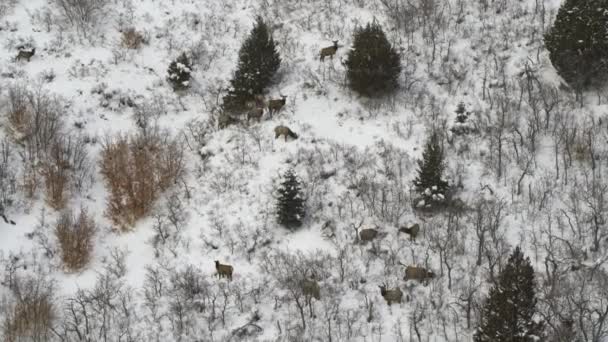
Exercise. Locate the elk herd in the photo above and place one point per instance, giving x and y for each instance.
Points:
(310, 287)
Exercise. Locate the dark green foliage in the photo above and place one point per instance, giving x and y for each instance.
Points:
(179, 72)
(430, 183)
(461, 113)
(258, 63)
(290, 201)
(462, 124)
(508, 312)
(373, 65)
(578, 43)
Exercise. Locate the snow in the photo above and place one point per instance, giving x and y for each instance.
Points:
(228, 198)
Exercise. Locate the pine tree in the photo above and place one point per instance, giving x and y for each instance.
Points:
(430, 183)
(578, 42)
(508, 313)
(373, 65)
(258, 63)
(179, 72)
(290, 201)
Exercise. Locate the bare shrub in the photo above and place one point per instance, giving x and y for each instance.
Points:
(66, 164)
(31, 317)
(137, 170)
(132, 39)
(83, 14)
(75, 237)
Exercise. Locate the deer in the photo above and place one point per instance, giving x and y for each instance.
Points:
(329, 51)
(418, 273)
(276, 105)
(411, 231)
(391, 296)
(284, 131)
(23, 54)
(223, 270)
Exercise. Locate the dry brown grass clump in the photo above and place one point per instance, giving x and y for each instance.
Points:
(75, 237)
(31, 317)
(137, 170)
(132, 39)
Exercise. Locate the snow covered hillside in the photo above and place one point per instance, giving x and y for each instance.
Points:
(527, 169)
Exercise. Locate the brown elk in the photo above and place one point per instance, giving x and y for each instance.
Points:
(255, 113)
(23, 54)
(368, 234)
(284, 131)
(411, 231)
(391, 296)
(329, 51)
(276, 105)
(418, 273)
(223, 270)
(310, 288)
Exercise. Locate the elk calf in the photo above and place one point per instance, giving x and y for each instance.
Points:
(276, 105)
(411, 231)
(418, 273)
(284, 131)
(23, 54)
(223, 270)
(391, 296)
(329, 51)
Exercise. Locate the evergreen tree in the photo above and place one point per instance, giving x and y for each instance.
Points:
(258, 62)
(430, 183)
(373, 65)
(578, 42)
(179, 72)
(507, 315)
(290, 201)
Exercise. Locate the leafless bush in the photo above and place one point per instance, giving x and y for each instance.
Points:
(132, 39)
(66, 164)
(83, 14)
(31, 316)
(75, 237)
(137, 170)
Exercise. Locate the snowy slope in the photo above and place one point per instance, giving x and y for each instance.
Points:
(452, 51)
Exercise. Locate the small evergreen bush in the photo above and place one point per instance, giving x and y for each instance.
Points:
(257, 65)
(373, 65)
(290, 201)
(578, 42)
(179, 72)
(508, 313)
(429, 183)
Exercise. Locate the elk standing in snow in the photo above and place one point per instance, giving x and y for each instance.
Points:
(284, 131)
(23, 54)
(223, 270)
(391, 296)
(276, 105)
(329, 51)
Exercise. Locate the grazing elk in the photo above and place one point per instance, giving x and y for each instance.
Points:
(391, 296)
(223, 270)
(418, 273)
(24, 54)
(284, 131)
(329, 51)
(411, 231)
(276, 105)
